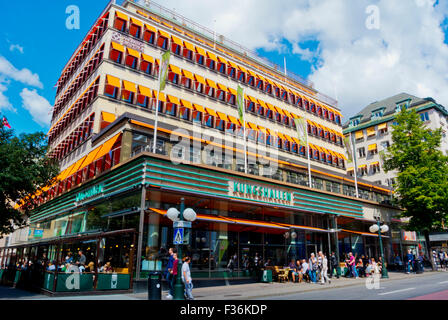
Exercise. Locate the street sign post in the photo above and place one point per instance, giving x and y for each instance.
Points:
(178, 236)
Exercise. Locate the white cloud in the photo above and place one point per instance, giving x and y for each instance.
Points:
(38, 106)
(354, 64)
(4, 101)
(24, 75)
(17, 47)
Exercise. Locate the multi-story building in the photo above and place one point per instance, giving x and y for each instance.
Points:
(371, 129)
(113, 191)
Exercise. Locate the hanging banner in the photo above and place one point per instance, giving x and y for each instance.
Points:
(348, 149)
(164, 69)
(301, 131)
(240, 103)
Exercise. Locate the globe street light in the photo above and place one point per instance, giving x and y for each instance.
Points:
(380, 229)
(180, 219)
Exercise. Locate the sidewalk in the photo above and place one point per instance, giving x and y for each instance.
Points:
(260, 290)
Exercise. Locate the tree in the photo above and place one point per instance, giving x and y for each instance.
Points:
(25, 169)
(421, 187)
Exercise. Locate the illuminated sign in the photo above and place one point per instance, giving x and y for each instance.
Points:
(260, 192)
(90, 193)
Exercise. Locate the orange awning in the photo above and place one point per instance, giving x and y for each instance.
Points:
(174, 100)
(200, 79)
(211, 83)
(211, 112)
(133, 53)
(188, 74)
(108, 117)
(106, 147)
(144, 91)
(186, 104)
(147, 58)
(113, 81)
(137, 22)
(222, 116)
(117, 46)
(199, 108)
(129, 86)
(234, 120)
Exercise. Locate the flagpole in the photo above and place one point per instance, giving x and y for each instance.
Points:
(157, 114)
(244, 134)
(309, 160)
(356, 165)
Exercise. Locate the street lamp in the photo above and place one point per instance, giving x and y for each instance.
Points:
(181, 222)
(380, 229)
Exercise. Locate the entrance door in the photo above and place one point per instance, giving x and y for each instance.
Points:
(311, 248)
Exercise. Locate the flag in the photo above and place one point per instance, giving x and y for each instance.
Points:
(164, 70)
(6, 123)
(382, 156)
(240, 103)
(301, 128)
(348, 149)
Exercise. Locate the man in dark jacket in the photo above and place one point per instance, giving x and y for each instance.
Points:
(333, 265)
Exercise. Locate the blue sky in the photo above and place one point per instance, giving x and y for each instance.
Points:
(344, 59)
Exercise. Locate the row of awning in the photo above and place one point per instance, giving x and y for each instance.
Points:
(261, 224)
(370, 131)
(215, 57)
(363, 166)
(129, 86)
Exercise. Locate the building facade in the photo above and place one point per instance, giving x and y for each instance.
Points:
(113, 184)
(371, 130)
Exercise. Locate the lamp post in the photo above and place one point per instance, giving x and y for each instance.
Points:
(181, 221)
(381, 229)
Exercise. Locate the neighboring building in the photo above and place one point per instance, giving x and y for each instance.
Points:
(113, 192)
(371, 129)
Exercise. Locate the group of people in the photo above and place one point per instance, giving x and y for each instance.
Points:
(312, 271)
(171, 274)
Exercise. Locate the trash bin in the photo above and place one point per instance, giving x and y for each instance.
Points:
(419, 266)
(155, 286)
(266, 276)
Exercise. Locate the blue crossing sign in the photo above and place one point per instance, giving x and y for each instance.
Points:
(178, 236)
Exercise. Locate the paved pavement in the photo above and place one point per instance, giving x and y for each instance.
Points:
(399, 286)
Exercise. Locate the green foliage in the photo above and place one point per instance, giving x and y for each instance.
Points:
(422, 183)
(25, 168)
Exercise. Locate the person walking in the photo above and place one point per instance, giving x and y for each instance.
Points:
(409, 261)
(313, 267)
(333, 265)
(319, 266)
(324, 271)
(352, 265)
(186, 279)
(169, 273)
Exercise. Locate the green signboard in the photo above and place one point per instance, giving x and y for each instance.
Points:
(90, 193)
(268, 194)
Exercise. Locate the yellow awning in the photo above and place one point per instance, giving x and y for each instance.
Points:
(188, 45)
(280, 110)
(147, 58)
(137, 22)
(233, 91)
(222, 60)
(289, 138)
(199, 108)
(372, 147)
(281, 135)
(133, 52)
(175, 69)
(161, 96)
(342, 156)
(167, 24)
(359, 135)
(271, 132)
(233, 65)
(287, 113)
(200, 51)
(222, 116)
(263, 129)
(371, 131)
(200, 79)
(164, 34)
(362, 166)
(188, 74)
(122, 16)
(107, 146)
(253, 99)
(242, 69)
(211, 83)
(173, 100)
(211, 112)
(186, 104)
(234, 120)
(382, 126)
(144, 91)
(117, 46)
(142, 13)
(375, 163)
(223, 87)
(262, 103)
(155, 19)
(150, 28)
(351, 169)
(295, 116)
(129, 86)
(76, 166)
(177, 41)
(108, 117)
(90, 157)
(252, 73)
(212, 56)
(113, 81)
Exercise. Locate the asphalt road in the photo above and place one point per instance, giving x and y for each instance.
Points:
(429, 287)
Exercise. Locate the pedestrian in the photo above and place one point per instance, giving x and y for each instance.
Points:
(333, 265)
(352, 265)
(169, 273)
(186, 279)
(313, 267)
(319, 266)
(306, 271)
(442, 260)
(446, 260)
(409, 261)
(434, 258)
(324, 271)
(174, 271)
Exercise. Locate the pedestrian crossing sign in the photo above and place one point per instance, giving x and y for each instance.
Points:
(178, 236)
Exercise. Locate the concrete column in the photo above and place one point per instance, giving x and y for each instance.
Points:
(126, 146)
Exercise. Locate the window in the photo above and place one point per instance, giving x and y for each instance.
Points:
(251, 81)
(131, 61)
(211, 64)
(170, 109)
(142, 100)
(115, 55)
(250, 106)
(362, 152)
(424, 116)
(231, 72)
(184, 113)
(200, 59)
(135, 30)
(188, 54)
(146, 66)
(149, 36)
(241, 76)
(268, 88)
(222, 68)
(401, 105)
(162, 42)
(120, 24)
